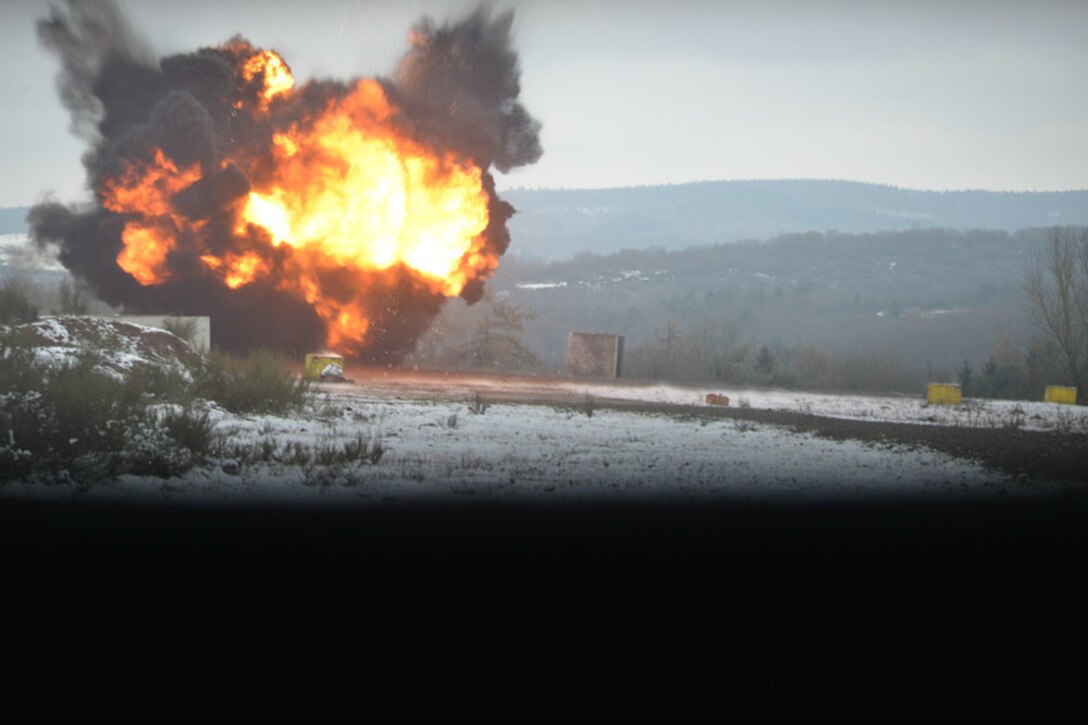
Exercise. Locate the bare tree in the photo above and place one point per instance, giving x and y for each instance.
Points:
(497, 343)
(1057, 292)
(71, 298)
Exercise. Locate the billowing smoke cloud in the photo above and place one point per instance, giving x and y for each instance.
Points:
(461, 81)
(210, 128)
(92, 34)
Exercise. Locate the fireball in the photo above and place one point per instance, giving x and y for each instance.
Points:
(342, 190)
(291, 213)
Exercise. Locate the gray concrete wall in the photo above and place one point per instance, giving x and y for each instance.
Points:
(594, 355)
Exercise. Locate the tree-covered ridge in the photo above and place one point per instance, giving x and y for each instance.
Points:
(881, 311)
(555, 224)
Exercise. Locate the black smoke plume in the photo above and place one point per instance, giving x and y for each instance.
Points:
(455, 89)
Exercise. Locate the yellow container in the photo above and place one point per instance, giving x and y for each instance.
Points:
(317, 362)
(945, 394)
(1060, 394)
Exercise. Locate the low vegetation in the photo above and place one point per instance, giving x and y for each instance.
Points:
(80, 422)
(16, 302)
(258, 383)
(75, 423)
(703, 354)
(182, 327)
(328, 461)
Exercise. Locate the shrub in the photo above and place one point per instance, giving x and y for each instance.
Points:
(72, 421)
(160, 384)
(18, 371)
(190, 429)
(16, 305)
(259, 383)
(184, 329)
(588, 405)
(169, 444)
(478, 405)
(78, 423)
(151, 452)
(71, 299)
(329, 462)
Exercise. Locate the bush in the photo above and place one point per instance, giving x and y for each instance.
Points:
(172, 444)
(72, 421)
(151, 452)
(71, 299)
(260, 383)
(190, 429)
(161, 384)
(77, 423)
(182, 328)
(16, 306)
(478, 405)
(17, 369)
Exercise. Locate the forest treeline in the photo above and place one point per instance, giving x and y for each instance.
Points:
(884, 312)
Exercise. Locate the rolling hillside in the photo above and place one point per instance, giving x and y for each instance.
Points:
(935, 297)
(558, 224)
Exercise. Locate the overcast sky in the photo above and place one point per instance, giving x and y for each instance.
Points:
(928, 95)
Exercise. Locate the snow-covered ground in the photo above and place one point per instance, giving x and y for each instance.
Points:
(974, 412)
(439, 450)
(410, 436)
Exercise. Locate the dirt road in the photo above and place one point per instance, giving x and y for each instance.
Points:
(1039, 455)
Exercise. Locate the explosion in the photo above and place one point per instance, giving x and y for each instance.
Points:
(335, 213)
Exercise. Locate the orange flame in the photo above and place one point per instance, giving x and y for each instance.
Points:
(237, 269)
(352, 194)
(145, 191)
(371, 200)
(342, 194)
(144, 255)
(275, 75)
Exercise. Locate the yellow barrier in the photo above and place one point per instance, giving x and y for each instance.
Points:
(1060, 394)
(945, 394)
(317, 362)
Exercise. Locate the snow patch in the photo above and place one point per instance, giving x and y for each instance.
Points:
(540, 285)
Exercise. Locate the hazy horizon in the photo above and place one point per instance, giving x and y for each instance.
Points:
(920, 96)
(694, 182)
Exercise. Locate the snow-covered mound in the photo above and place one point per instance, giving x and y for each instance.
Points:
(120, 346)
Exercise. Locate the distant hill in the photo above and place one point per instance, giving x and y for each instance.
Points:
(13, 219)
(936, 297)
(558, 224)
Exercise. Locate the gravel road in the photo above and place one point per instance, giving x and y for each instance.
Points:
(1039, 455)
